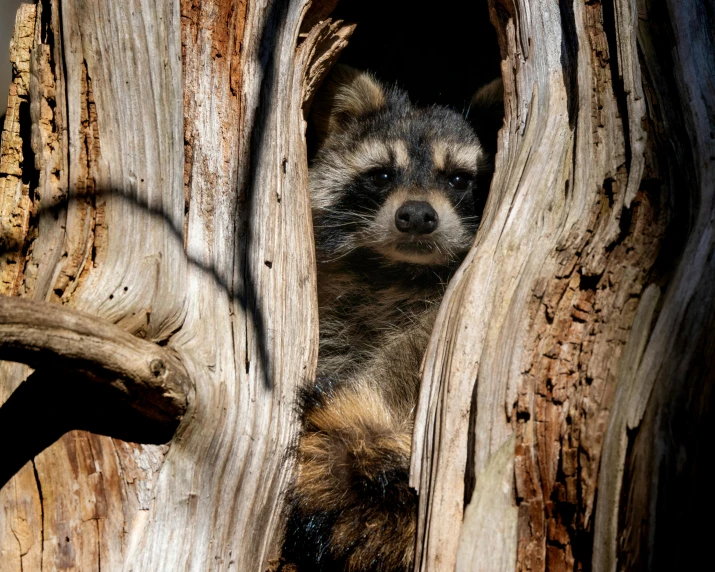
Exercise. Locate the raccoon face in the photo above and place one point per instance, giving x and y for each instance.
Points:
(390, 177)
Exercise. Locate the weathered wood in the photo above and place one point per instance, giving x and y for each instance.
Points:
(15, 200)
(205, 248)
(248, 221)
(97, 154)
(488, 544)
(556, 309)
(659, 446)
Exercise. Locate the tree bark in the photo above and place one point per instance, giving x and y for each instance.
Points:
(568, 382)
(204, 248)
(579, 328)
(47, 336)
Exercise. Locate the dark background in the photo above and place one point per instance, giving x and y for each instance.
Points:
(440, 54)
(7, 22)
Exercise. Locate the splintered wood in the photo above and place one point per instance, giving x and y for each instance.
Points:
(552, 312)
(16, 206)
(74, 505)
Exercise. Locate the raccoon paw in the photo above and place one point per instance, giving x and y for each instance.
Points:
(350, 505)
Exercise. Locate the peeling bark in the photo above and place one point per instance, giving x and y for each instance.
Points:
(17, 203)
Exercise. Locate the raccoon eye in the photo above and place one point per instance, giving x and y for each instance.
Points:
(460, 181)
(381, 177)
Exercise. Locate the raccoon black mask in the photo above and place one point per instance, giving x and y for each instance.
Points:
(391, 178)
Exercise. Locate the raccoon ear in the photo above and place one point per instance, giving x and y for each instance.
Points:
(486, 113)
(347, 94)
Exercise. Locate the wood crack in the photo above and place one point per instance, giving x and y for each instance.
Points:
(42, 513)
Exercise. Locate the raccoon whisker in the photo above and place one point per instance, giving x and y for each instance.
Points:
(377, 205)
(459, 202)
(373, 236)
(363, 212)
(337, 215)
(437, 275)
(444, 251)
(322, 226)
(339, 224)
(343, 255)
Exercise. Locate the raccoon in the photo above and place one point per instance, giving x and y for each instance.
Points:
(393, 190)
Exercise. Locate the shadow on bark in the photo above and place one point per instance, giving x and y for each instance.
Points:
(48, 404)
(246, 296)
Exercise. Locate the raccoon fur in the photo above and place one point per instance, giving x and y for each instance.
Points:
(393, 190)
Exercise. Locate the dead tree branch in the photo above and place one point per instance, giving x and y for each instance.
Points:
(51, 337)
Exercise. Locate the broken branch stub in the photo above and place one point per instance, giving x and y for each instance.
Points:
(47, 336)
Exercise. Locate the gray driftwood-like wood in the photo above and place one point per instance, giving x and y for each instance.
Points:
(153, 176)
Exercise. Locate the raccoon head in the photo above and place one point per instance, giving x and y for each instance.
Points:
(390, 177)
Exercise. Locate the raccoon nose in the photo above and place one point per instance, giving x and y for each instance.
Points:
(416, 217)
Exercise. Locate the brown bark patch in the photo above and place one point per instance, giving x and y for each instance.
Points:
(224, 22)
(582, 324)
(17, 205)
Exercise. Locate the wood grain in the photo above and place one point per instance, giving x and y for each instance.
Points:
(102, 123)
(533, 336)
(654, 477)
(204, 247)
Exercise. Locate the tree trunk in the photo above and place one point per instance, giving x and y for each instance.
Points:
(572, 359)
(567, 385)
(203, 248)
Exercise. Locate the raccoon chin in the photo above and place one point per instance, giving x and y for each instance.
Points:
(425, 253)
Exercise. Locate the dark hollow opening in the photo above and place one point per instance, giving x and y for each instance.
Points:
(441, 55)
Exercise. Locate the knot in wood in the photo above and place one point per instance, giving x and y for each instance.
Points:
(157, 367)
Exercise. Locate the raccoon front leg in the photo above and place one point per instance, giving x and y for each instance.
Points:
(350, 504)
